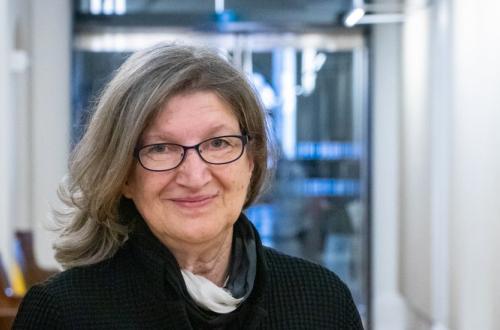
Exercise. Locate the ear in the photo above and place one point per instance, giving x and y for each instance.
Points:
(127, 189)
(250, 163)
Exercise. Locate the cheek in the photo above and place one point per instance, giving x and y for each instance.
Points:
(144, 186)
(240, 187)
(156, 183)
(241, 182)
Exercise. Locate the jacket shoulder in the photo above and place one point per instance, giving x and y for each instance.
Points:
(302, 271)
(39, 309)
(76, 291)
(302, 292)
(86, 278)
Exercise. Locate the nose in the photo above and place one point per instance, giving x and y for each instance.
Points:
(193, 172)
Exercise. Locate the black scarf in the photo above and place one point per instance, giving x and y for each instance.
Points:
(242, 271)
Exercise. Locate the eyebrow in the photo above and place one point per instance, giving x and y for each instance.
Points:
(212, 132)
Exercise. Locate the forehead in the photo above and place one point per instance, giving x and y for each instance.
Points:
(193, 115)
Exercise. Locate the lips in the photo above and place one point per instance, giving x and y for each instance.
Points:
(194, 201)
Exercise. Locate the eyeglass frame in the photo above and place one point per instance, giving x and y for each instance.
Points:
(245, 139)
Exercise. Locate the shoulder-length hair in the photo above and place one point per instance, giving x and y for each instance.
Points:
(90, 227)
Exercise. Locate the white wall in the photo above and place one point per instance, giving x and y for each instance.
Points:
(450, 159)
(389, 306)
(475, 198)
(6, 131)
(416, 146)
(51, 54)
(21, 105)
(426, 162)
(404, 208)
(34, 117)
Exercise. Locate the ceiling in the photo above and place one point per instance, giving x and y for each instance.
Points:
(324, 13)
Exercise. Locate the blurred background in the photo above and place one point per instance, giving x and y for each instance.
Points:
(385, 113)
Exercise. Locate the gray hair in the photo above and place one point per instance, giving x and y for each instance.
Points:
(90, 227)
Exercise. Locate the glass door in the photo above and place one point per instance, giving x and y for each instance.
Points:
(316, 207)
(313, 86)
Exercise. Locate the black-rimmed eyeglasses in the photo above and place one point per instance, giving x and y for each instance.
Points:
(167, 156)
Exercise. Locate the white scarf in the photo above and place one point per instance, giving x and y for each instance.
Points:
(208, 295)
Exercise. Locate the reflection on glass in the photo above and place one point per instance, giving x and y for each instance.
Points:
(316, 207)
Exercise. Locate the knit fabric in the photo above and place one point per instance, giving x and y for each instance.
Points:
(132, 291)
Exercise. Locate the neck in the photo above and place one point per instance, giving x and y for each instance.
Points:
(210, 260)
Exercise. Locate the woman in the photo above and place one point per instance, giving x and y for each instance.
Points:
(154, 236)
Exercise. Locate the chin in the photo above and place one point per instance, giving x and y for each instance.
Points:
(205, 231)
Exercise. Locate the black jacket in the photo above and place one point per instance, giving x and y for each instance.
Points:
(133, 290)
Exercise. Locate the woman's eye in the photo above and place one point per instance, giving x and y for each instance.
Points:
(219, 143)
(158, 149)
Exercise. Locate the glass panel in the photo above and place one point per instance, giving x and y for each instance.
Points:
(313, 88)
(91, 71)
(315, 208)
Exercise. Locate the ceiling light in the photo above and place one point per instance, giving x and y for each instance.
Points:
(354, 16)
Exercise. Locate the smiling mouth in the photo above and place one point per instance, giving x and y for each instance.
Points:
(194, 201)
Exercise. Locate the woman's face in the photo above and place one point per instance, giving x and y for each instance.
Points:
(195, 202)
